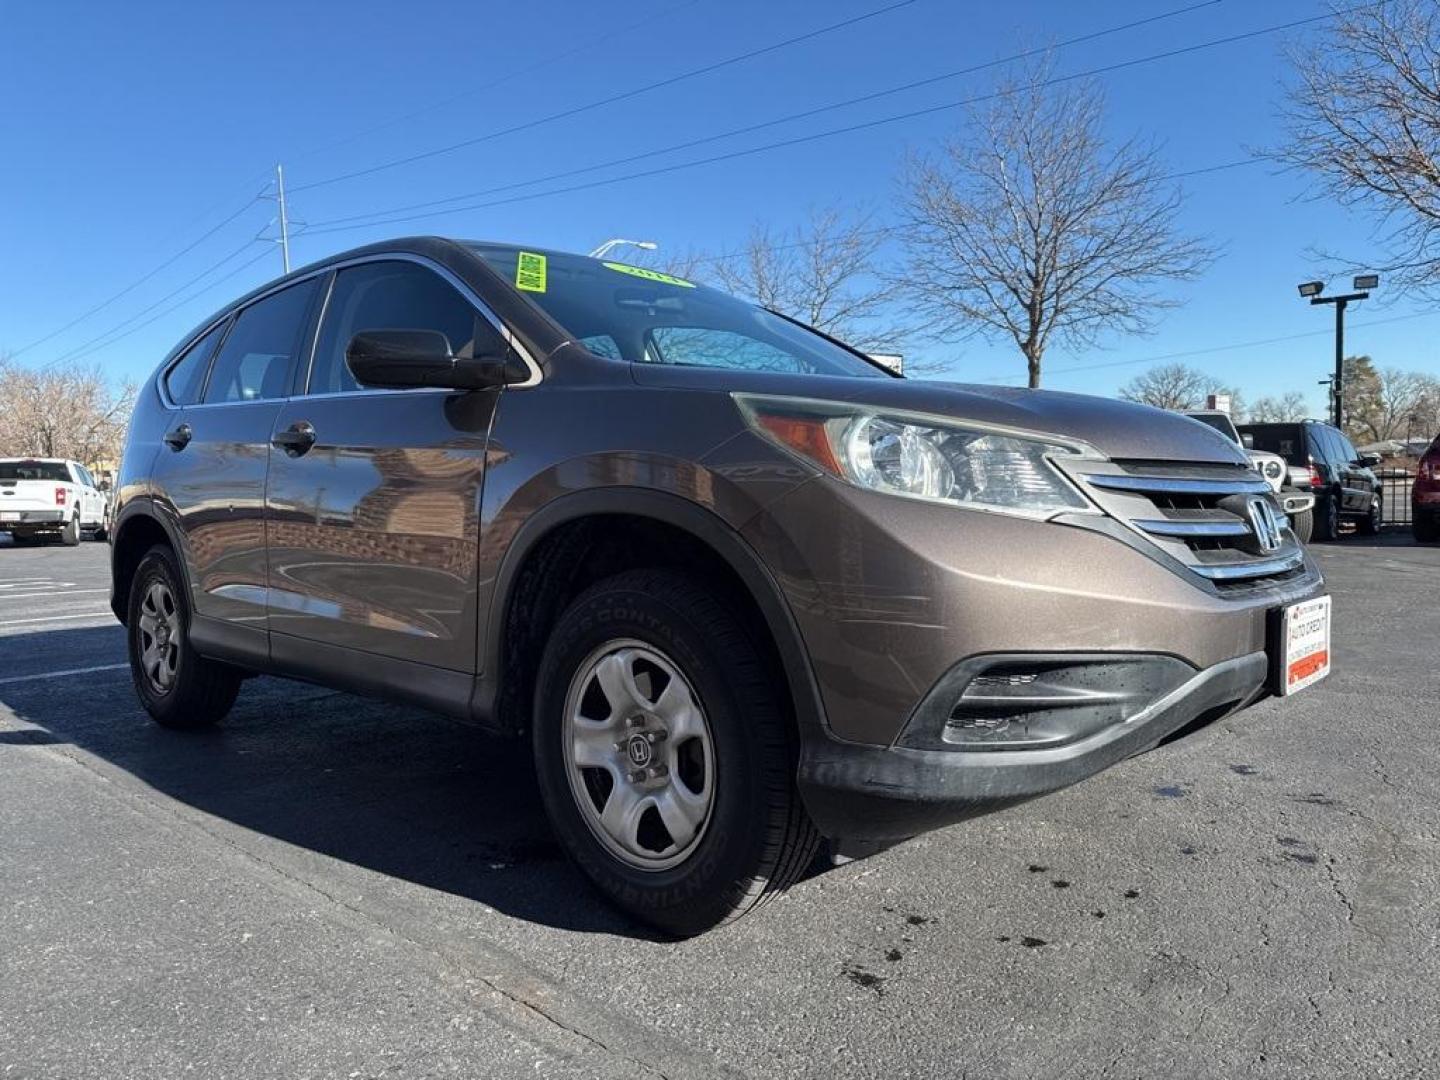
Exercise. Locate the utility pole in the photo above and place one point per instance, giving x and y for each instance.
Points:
(284, 221)
(1311, 291)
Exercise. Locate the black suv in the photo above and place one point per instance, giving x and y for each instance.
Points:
(1340, 476)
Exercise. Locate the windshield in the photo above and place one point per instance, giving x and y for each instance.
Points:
(646, 317)
(34, 470)
(1219, 421)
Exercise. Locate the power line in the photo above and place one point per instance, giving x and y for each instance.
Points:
(798, 140)
(538, 65)
(751, 128)
(881, 230)
(99, 339)
(612, 99)
(139, 281)
(179, 304)
(1232, 347)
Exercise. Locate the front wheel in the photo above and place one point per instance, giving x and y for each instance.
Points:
(664, 751)
(1327, 517)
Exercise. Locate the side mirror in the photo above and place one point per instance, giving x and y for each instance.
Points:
(104, 485)
(401, 359)
(1370, 460)
(1247, 440)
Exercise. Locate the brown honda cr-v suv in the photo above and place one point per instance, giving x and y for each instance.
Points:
(740, 587)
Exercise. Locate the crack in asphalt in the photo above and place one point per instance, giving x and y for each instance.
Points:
(143, 803)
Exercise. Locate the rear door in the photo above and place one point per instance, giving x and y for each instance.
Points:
(219, 453)
(1355, 477)
(374, 524)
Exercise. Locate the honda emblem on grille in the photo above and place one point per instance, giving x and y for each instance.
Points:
(1265, 523)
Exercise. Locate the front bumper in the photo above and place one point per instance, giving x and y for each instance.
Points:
(861, 792)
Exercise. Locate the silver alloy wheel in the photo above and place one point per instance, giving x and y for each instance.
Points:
(159, 637)
(639, 756)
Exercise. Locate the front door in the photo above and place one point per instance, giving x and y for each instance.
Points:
(374, 495)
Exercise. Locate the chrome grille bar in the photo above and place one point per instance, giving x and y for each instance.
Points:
(1177, 485)
(1194, 529)
(1259, 568)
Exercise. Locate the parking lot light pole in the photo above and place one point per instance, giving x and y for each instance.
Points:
(1311, 291)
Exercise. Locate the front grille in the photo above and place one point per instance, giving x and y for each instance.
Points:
(1220, 521)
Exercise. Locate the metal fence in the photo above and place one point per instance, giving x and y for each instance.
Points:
(1395, 486)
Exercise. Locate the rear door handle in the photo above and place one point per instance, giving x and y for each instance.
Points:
(296, 439)
(179, 438)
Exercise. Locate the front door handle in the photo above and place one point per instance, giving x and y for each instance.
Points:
(179, 438)
(296, 439)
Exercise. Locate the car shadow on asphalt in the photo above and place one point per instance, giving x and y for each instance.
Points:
(395, 790)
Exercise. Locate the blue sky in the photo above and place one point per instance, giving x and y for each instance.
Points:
(133, 130)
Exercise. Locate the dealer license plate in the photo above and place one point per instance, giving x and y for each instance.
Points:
(1304, 644)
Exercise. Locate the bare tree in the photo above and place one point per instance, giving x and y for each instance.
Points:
(70, 412)
(1364, 118)
(1035, 229)
(1384, 404)
(1175, 386)
(1288, 407)
(824, 272)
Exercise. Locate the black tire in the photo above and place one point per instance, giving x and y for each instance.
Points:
(757, 839)
(1303, 525)
(1327, 517)
(1426, 527)
(200, 691)
(1369, 525)
(70, 535)
(100, 534)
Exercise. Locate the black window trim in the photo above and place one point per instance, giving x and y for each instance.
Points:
(467, 294)
(307, 345)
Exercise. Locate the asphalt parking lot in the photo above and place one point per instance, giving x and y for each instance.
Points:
(332, 887)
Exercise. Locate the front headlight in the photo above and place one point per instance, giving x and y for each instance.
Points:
(922, 457)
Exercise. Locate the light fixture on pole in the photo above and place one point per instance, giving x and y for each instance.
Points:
(1311, 290)
(604, 249)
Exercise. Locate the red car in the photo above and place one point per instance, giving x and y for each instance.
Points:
(1425, 498)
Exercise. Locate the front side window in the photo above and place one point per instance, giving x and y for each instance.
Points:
(387, 296)
(187, 376)
(644, 317)
(255, 362)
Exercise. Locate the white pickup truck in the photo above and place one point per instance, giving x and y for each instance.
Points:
(50, 497)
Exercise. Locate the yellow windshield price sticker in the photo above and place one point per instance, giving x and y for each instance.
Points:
(530, 272)
(650, 275)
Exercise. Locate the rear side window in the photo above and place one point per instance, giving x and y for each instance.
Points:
(35, 470)
(1348, 453)
(255, 362)
(387, 296)
(1287, 441)
(187, 375)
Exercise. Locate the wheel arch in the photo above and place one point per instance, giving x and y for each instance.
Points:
(504, 692)
(136, 529)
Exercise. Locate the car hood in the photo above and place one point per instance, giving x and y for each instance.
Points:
(1118, 429)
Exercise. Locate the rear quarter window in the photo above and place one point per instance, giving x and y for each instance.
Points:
(186, 376)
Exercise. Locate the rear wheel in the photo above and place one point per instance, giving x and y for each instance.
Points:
(664, 753)
(1370, 523)
(70, 535)
(1327, 517)
(178, 687)
(1426, 527)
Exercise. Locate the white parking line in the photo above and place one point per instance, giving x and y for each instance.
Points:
(56, 618)
(58, 674)
(28, 595)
